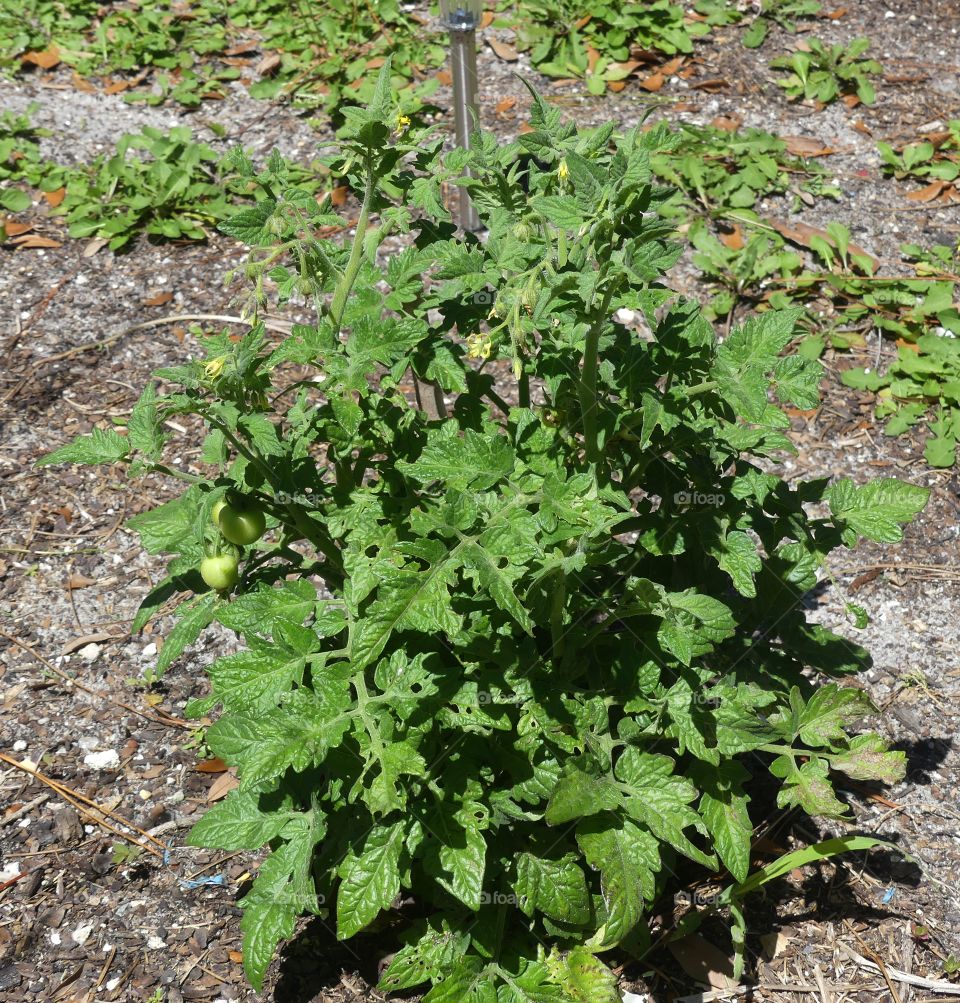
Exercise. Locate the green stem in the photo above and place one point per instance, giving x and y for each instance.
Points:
(700, 388)
(588, 382)
(345, 284)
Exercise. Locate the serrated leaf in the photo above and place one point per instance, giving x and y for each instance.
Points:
(186, 630)
(583, 977)
(557, 888)
(869, 758)
(237, 823)
(578, 795)
(144, 431)
(250, 225)
(822, 720)
(627, 859)
(163, 529)
(100, 446)
(739, 558)
(877, 509)
(370, 882)
(729, 824)
(472, 461)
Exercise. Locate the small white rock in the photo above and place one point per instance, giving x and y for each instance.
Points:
(81, 934)
(155, 943)
(89, 652)
(150, 650)
(9, 872)
(55, 938)
(107, 760)
(19, 745)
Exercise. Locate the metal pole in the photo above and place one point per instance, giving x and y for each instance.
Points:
(463, 67)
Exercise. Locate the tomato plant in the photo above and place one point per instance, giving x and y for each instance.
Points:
(561, 636)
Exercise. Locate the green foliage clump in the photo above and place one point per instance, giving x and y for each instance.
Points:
(824, 73)
(561, 627)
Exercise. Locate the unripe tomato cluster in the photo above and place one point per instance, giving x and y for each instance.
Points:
(241, 522)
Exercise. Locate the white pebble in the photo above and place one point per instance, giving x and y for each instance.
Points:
(150, 650)
(81, 934)
(155, 943)
(19, 745)
(89, 652)
(102, 760)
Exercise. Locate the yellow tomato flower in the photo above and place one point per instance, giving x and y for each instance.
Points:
(563, 172)
(403, 123)
(214, 367)
(479, 346)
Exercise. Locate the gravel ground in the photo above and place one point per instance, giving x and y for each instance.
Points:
(78, 920)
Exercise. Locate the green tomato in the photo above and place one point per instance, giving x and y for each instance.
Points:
(241, 526)
(218, 507)
(220, 572)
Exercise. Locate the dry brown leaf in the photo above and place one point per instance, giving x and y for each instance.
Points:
(525, 127)
(486, 19)
(502, 50)
(654, 82)
(668, 69)
(236, 957)
(375, 63)
(444, 78)
(237, 50)
(593, 57)
(850, 100)
(582, 23)
(267, 65)
(222, 786)
(339, 195)
(46, 59)
(81, 642)
(215, 765)
(501, 108)
(711, 84)
(734, 239)
(54, 199)
(616, 85)
(35, 240)
(78, 581)
(117, 86)
(94, 245)
(703, 962)
(774, 944)
(83, 85)
(929, 193)
(835, 15)
(801, 233)
(862, 127)
(911, 346)
(806, 146)
(728, 124)
(179, 333)
(159, 299)
(15, 229)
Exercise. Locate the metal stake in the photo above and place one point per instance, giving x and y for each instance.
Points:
(463, 67)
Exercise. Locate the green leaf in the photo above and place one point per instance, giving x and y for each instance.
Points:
(163, 529)
(739, 558)
(193, 620)
(876, 510)
(578, 795)
(807, 787)
(557, 888)
(868, 758)
(237, 823)
(250, 225)
(100, 446)
(729, 824)
(145, 432)
(822, 720)
(371, 881)
(264, 925)
(583, 977)
(471, 461)
(627, 859)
